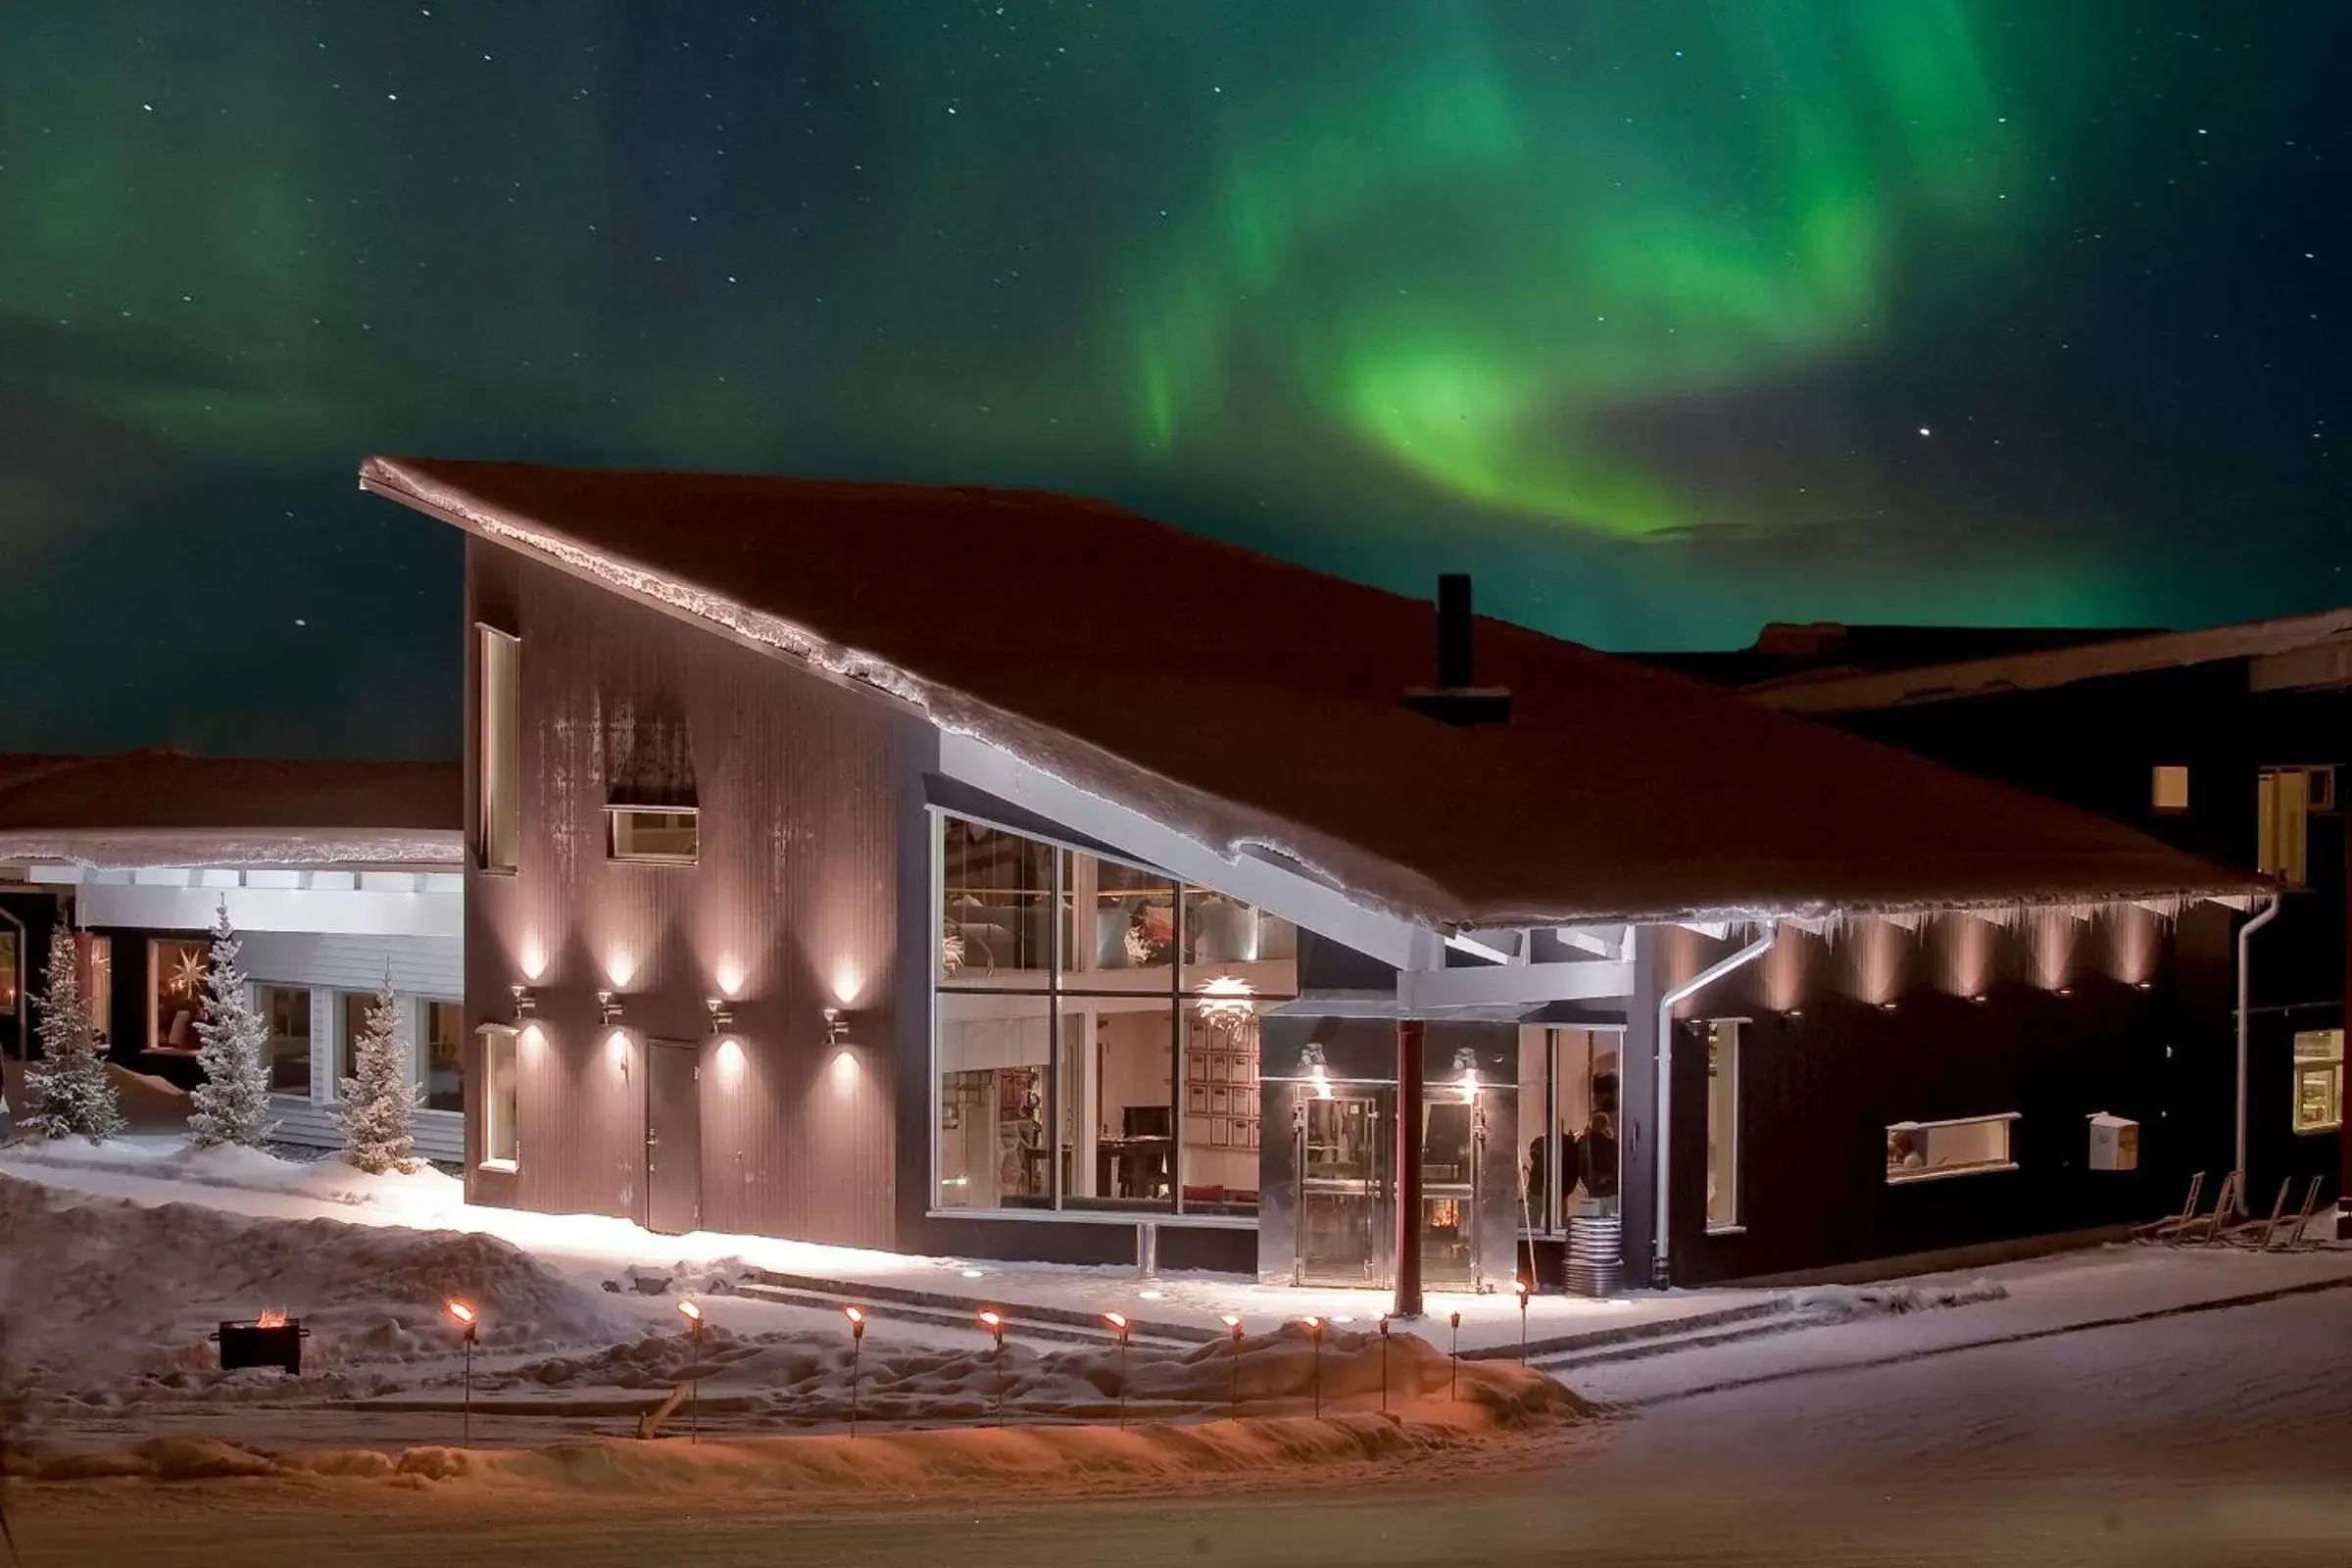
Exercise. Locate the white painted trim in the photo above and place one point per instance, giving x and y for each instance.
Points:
(1420, 991)
(1161, 1220)
(1303, 902)
(354, 912)
(1465, 942)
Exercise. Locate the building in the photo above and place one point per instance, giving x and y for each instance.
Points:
(335, 874)
(1004, 874)
(2228, 741)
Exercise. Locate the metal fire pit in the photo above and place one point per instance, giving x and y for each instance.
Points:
(257, 1344)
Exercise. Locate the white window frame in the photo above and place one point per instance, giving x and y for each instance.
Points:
(1905, 1177)
(498, 745)
(613, 824)
(494, 1038)
(2318, 1053)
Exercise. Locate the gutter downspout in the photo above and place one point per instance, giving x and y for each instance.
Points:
(2245, 935)
(1707, 977)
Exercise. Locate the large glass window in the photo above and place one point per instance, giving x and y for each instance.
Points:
(286, 1012)
(1568, 1159)
(642, 833)
(443, 1055)
(1134, 1083)
(95, 959)
(2283, 804)
(502, 1147)
(499, 741)
(174, 994)
(1723, 1124)
(11, 986)
(1919, 1151)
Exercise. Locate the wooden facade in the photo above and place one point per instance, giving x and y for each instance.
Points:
(790, 909)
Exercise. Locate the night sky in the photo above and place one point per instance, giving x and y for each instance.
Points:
(1666, 318)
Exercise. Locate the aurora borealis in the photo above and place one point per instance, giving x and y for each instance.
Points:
(1664, 318)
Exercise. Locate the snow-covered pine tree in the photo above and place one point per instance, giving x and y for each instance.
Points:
(232, 1103)
(72, 1095)
(378, 1109)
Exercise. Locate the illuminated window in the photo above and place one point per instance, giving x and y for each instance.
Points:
(1723, 1125)
(443, 1055)
(2319, 1080)
(499, 698)
(502, 1147)
(643, 833)
(2170, 792)
(2283, 799)
(1924, 1150)
(96, 955)
(174, 994)
(286, 1012)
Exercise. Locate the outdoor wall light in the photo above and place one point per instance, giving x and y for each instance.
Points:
(607, 1008)
(1888, 1005)
(722, 1017)
(1979, 998)
(525, 1004)
(837, 1027)
(2066, 991)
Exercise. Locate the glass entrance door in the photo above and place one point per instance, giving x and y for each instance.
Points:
(1451, 1139)
(1345, 1190)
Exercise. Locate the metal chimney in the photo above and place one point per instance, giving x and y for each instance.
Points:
(1456, 698)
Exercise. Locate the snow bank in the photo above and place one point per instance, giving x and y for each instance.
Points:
(424, 1194)
(113, 1302)
(1848, 1302)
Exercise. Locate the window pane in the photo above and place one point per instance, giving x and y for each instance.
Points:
(500, 747)
(2170, 790)
(1585, 1082)
(96, 961)
(1723, 1124)
(443, 1055)
(1119, 1120)
(500, 1144)
(637, 834)
(1916, 1151)
(1537, 1159)
(1121, 931)
(10, 988)
(994, 1056)
(996, 907)
(1231, 942)
(355, 1025)
(286, 1013)
(174, 993)
(1221, 1125)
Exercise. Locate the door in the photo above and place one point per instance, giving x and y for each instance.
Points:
(1453, 1143)
(673, 1138)
(1345, 1194)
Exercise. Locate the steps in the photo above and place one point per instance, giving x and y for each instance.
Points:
(941, 1309)
(1652, 1329)
(1704, 1338)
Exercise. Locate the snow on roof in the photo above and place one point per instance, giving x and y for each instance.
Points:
(1254, 705)
(169, 807)
(1848, 692)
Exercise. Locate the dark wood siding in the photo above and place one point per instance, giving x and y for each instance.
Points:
(792, 906)
(1826, 1066)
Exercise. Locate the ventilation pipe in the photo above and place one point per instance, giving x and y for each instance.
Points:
(2245, 941)
(1456, 698)
(1664, 1153)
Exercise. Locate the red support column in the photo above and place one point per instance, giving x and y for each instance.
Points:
(1409, 1167)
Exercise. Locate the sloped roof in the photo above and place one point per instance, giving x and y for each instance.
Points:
(167, 807)
(1849, 691)
(1254, 705)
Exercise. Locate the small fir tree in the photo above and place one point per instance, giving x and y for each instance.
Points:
(72, 1095)
(232, 1103)
(378, 1109)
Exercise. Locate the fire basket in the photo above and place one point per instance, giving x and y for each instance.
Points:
(270, 1339)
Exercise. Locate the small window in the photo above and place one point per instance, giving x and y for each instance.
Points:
(174, 994)
(1723, 1125)
(2319, 1080)
(2170, 790)
(502, 1147)
(286, 1010)
(443, 1055)
(2284, 811)
(1924, 1150)
(96, 956)
(649, 833)
(499, 741)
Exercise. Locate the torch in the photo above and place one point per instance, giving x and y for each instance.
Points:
(1119, 1325)
(1232, 1407)
(1383, 1363)
(993, 1322)
(1454, 1359)
(694, 1388)
(465, 1320)
(1315, 1332)
(857, 1343)
(1523, 1293)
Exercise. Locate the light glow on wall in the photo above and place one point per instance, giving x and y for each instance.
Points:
(849, 982)
(1967, 953)
(620, 965)
(845, 1071)
(2053, 933)
(731, 1063)
(2134, 936)
(533, 958)
(617, 1046)
(730, 977)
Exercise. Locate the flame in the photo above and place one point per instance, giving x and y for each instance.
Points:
(853, 1314)
(693, 1312)
(270, 1318)
(460, 1311)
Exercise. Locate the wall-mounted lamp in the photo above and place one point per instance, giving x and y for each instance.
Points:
(1979, 998)
(2143, 985)
(837, 1027)
(607, 1008)
(1888, 1005)
(2066, 991)
(525, 1004)
(722, 1017)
